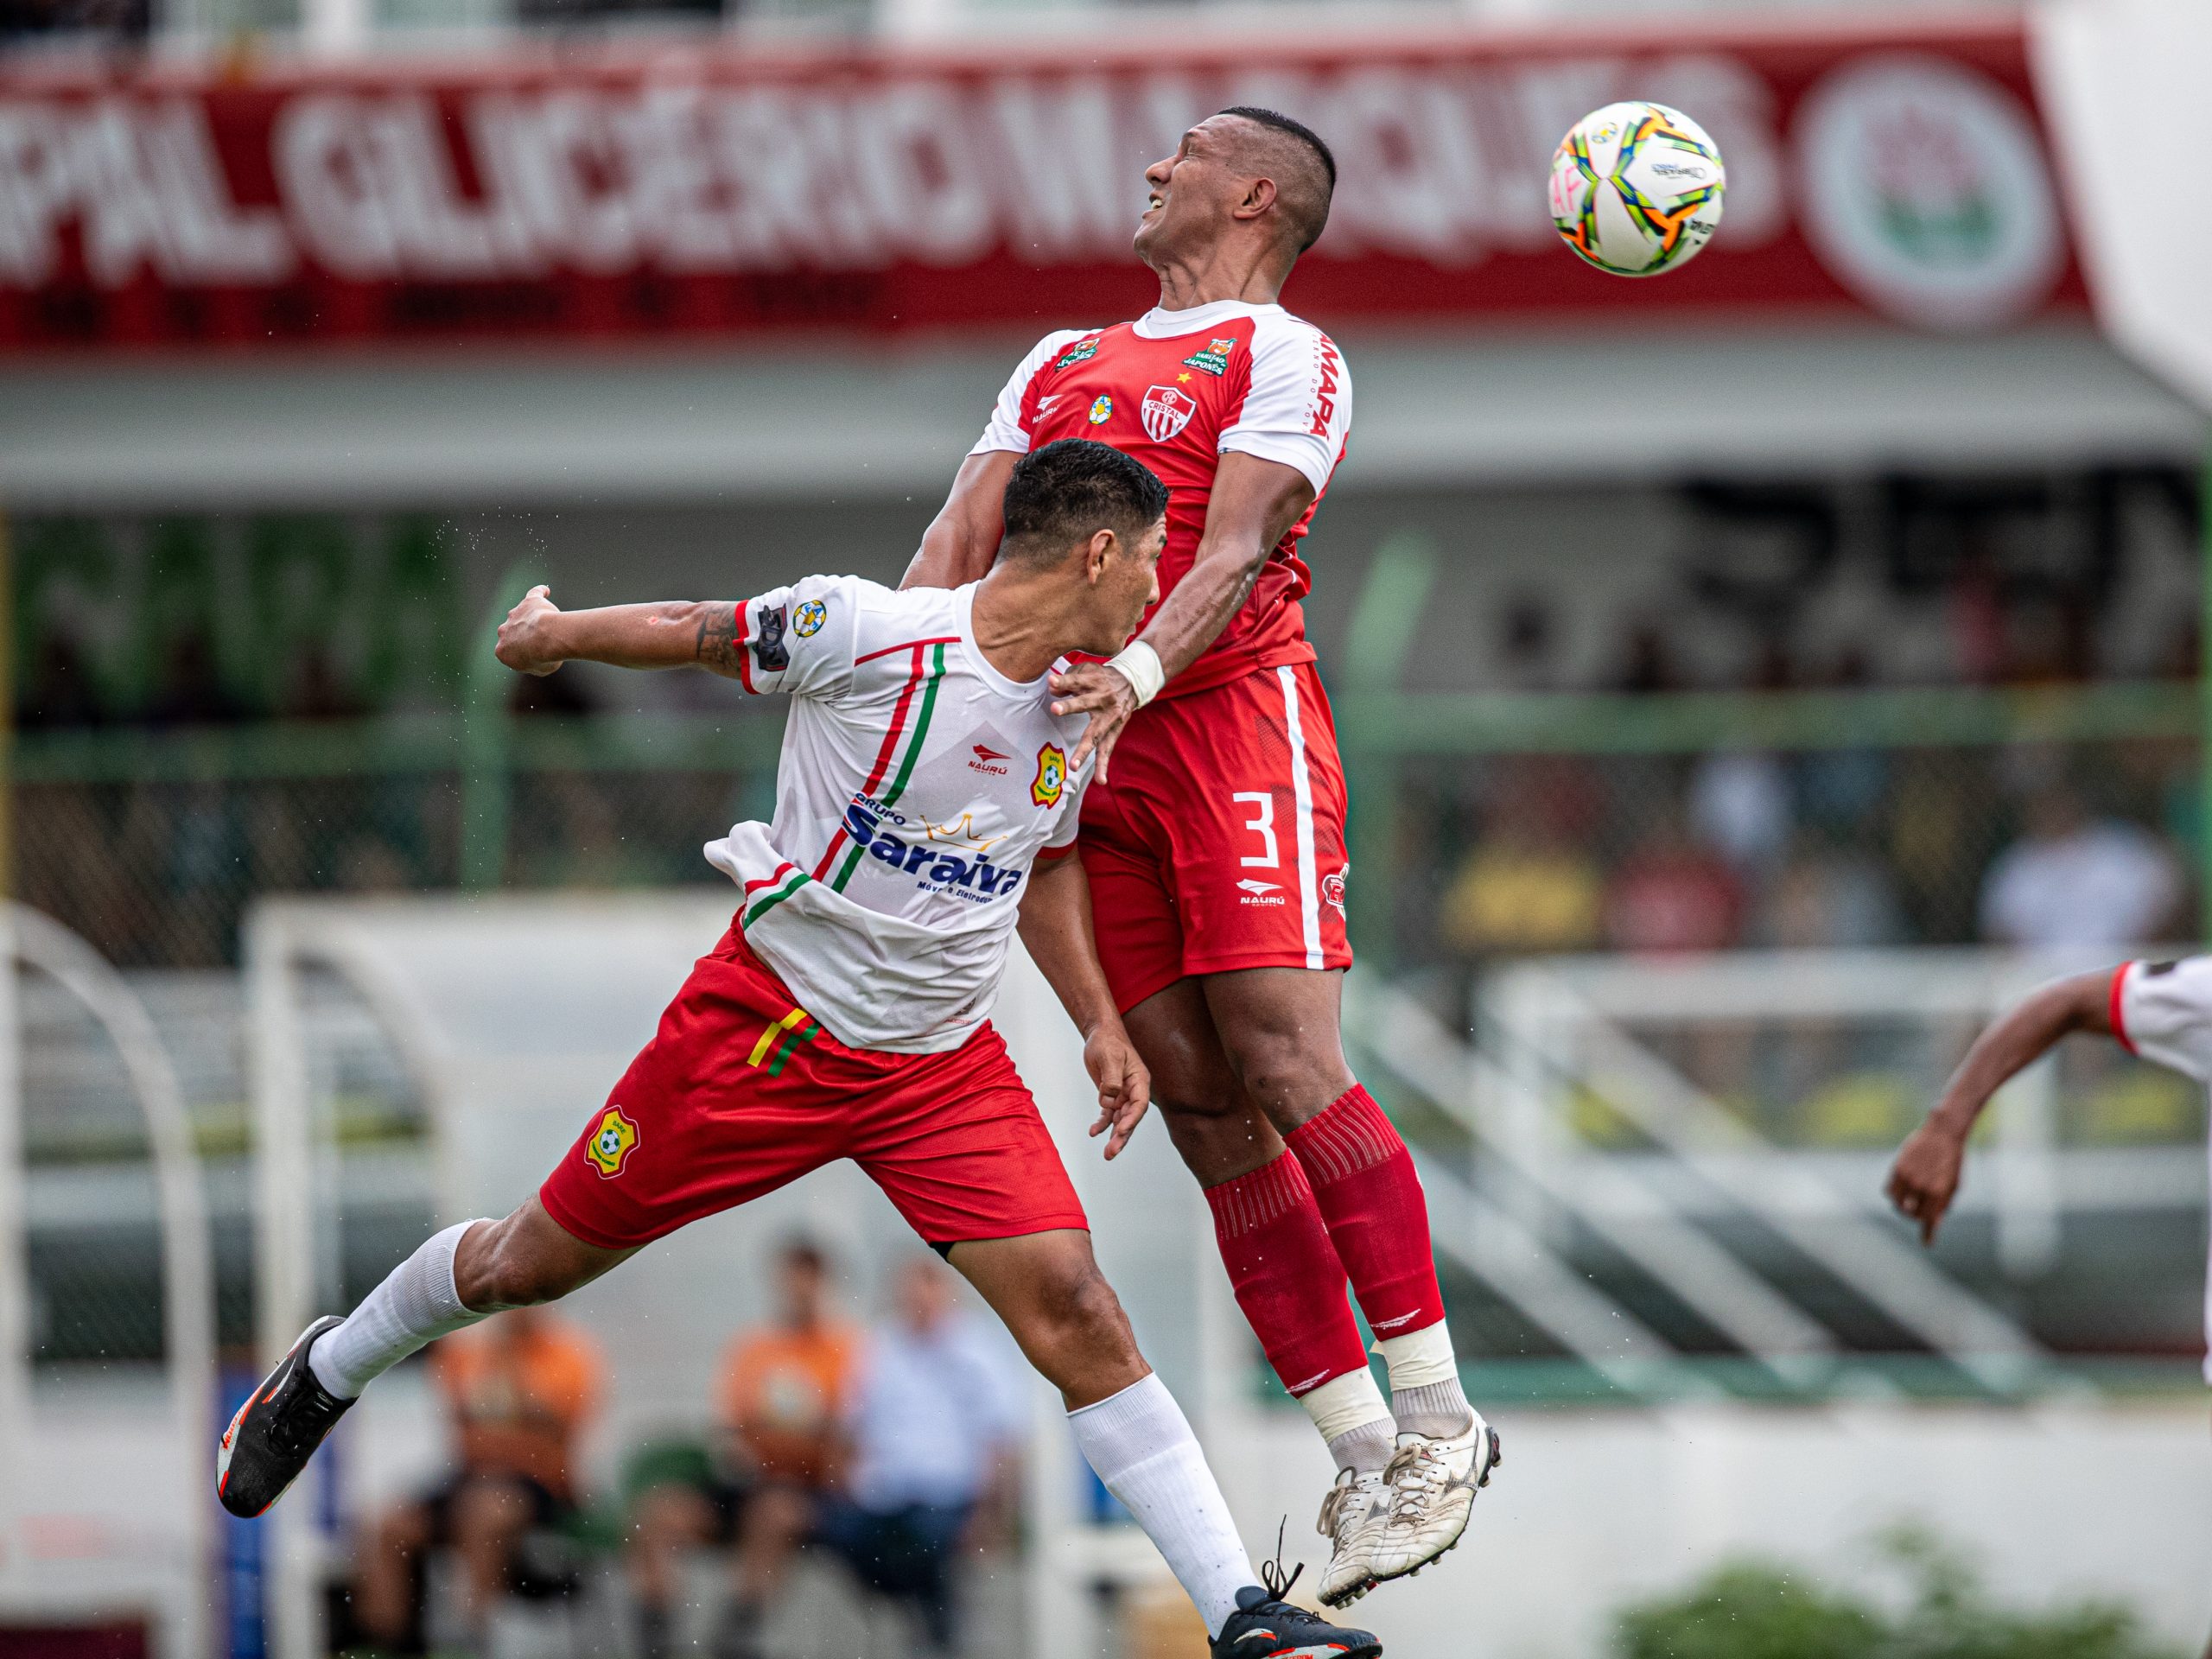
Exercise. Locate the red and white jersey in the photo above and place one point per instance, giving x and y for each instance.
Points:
(1175, 390)
(917, 788)
(2162, 1011)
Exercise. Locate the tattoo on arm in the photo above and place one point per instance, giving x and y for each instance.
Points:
(717, 647)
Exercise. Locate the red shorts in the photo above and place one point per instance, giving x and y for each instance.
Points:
(740, 1091)
(1219, 842)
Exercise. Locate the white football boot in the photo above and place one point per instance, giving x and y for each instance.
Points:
(1432, 1484)
(1353, 1516)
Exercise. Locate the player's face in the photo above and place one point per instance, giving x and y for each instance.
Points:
(1132, 583)
(1189, 193)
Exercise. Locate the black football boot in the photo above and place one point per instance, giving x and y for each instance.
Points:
(277, 1429)
(1265, 1626)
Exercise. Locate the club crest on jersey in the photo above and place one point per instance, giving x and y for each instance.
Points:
(612, 1142)
(1167, 411)
(1101, 410)
(807, 620)
(1332, 889)
(1052, 775)
(1082, 352)
(1215, 358)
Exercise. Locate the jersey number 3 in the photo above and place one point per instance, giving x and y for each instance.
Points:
(1262, 824)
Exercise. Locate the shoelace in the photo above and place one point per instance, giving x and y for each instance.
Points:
(1278, 1603)
(1340, 1497)
(298, 1408)
(1414, 1474)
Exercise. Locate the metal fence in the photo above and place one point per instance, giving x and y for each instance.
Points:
(1484, 826)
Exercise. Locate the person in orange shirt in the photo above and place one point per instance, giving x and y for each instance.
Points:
(779, 1410)
(780, 1407)
(784, 1386)
(521, 1388)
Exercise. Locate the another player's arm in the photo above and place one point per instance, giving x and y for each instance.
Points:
(1253, 507)
(1055, 926)
(1925, 1177)
(539, 635)
(964, 539)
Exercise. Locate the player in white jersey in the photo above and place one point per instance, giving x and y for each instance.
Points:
(2160, 1010)
(925, 809)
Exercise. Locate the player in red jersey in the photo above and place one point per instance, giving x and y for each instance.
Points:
(1214, 835)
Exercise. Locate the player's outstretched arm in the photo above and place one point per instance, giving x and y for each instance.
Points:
(1925, 1177)
(1055, 926)
(1253, 507)
(963, 540)
(539, 635)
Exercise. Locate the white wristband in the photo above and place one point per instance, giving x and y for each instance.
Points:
(1140, 665)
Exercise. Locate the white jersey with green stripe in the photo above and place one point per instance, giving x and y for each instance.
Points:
(918, 788)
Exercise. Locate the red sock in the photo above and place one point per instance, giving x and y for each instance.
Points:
(1362, 1179)
(1288, 1280)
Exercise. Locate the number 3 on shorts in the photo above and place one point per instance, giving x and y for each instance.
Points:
(1262, 824)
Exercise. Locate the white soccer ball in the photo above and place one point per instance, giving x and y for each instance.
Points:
(1636, 188)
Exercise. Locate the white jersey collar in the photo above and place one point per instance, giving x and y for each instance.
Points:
(1159, 323)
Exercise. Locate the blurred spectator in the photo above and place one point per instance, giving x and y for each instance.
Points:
(784, 1387)
(521, 1388)
(319, 691)
(191, 690)
(936, 1419)
(1828, 898)
(1523, 890)
(60, 691)
(1739, 804)
(1647, 664)
(2049, 639)
(1525, 646)
(781, 1405)
(1674, 895)
(2070, 881)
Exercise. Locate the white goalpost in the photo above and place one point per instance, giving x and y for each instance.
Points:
(135, 1540)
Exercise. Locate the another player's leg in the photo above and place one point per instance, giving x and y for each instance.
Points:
(1279, 1027)
(1048, 1289)
(471, 1270)
(1288, 1278)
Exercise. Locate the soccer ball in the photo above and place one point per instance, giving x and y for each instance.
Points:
(1636, 188)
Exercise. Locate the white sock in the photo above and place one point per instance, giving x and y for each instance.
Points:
(1352, 1418)
(1425, 1393)
(416, 1303)
(1141, 1447)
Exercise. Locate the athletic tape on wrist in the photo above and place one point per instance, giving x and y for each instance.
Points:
(1140, 665)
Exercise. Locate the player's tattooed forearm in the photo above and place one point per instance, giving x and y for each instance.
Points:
(719, 633)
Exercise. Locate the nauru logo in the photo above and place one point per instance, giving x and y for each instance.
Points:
(807, 620)
(1052, 775)
(612, 1142)
(1101, 410)
(1167, 411)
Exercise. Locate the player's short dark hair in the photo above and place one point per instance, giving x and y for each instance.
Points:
(1067, 492)
(1304, 197)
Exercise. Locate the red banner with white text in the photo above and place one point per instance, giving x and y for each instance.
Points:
(703, 191)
